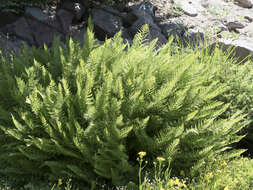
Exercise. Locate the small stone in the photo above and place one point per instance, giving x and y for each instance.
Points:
(234, 25)
(250, 19)
(245, 3)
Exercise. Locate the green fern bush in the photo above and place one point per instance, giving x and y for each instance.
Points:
(239, 78)
(85, 112)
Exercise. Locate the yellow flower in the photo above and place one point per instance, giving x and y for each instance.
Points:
(226, 188)
(224, 163)
(210, 175)
(142, 154)
(160, 159)
(182, 172)
(171, 182)
(59, 181)
(177, 182)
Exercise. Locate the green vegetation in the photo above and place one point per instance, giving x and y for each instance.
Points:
(86, 113)
(18, 6)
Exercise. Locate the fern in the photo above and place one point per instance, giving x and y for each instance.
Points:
(85, 112)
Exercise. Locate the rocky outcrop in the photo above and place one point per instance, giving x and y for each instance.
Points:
(189, 22)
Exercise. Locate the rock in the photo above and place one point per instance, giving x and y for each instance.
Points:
(19, 28)
(234, 25)
(176, 30)
(7, 18)
(193, 38)
(142, 20)
(78, 34)
(65, 18)
(243, 47)
(154, 33)
(245, 3)
(79, 10)
(154, 30)
(44, 17)
(76, 8)
(248, 30)
(42, 33)
(187, 7)
(144, 8)
(249, 18)
(127, 36)
(105, 24)
(10, 45)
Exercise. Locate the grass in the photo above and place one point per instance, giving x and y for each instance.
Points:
(220, 175)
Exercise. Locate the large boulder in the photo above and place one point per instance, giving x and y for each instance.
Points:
(42, 33)
(44, 17)
(105, 24)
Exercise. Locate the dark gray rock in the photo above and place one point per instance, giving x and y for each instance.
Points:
(176, 30)
(154, 30)
(234, 25)
(42, 33)
(44, 17)
(136, 26)
(7, 18)
(193, 38)
(154, 33)
(10, 45)
(76, 8)
(78, 34)
(65, 18)
(79, 10)
(19, 28)
(144, 8)
(127, 36)
(105, 24)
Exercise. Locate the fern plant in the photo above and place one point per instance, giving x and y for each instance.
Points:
(239, 78)
(85, 112)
